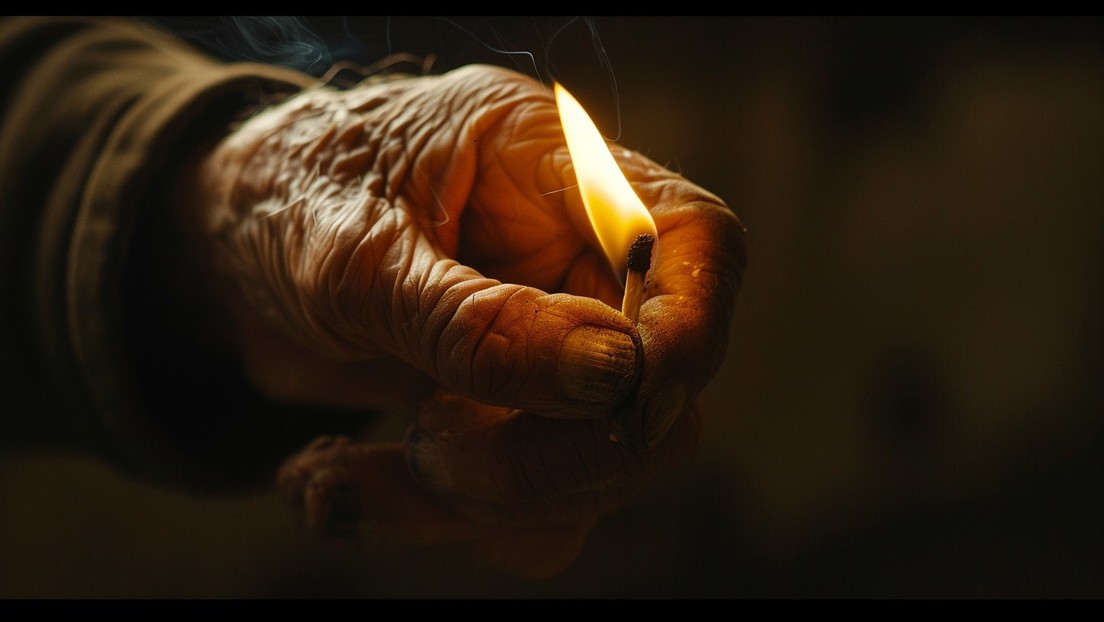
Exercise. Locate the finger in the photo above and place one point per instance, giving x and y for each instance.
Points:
(365, 491)
(686, 316)
(516, 466)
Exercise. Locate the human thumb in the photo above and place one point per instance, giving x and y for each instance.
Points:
(512, 345)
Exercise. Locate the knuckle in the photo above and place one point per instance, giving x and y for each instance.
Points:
(480, 348)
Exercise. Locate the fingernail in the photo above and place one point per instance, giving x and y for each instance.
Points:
(426, 461)
(596, 364)
(661, 412)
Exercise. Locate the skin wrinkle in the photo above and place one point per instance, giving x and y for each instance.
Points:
(430, 296)
(314, 148)
(416, 136)
(363, 100)
(349, 281)
(472, 360)
(426, 296)
(401, 257)
(460, 350)
(395, 159)
(266, 249)
(422, 282)
(407, 310)
(343, 273)
(533, 317)
(349, 165)
(443, 319)
(351, 134)
(551, 308)
(296, 138)
(308, 283)
(493, 392)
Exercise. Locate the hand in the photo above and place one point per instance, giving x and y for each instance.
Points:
(420, 241)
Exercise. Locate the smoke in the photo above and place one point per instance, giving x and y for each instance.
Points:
(284, 40)
(278, 40)
(567, 49)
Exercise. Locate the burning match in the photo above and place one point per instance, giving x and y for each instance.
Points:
(640, 261)
(624, 227)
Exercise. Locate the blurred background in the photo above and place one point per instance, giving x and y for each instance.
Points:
(911, 403)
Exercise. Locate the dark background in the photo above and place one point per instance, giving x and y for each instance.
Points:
(911, 404)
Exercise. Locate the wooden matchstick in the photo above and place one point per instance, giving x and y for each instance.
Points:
(640, 261)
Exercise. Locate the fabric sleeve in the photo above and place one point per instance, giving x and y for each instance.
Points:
(94, 115)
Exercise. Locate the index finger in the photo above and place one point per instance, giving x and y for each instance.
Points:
(701, 256)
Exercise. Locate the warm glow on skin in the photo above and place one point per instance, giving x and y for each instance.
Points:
(616, 212)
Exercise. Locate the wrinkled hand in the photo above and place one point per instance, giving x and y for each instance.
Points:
(420, 240)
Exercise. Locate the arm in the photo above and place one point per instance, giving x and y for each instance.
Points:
(96, 120)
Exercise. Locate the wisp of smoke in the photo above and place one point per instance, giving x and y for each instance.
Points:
(314, 45)
(278, 40)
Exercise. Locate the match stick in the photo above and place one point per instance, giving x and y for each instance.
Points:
(640, 261)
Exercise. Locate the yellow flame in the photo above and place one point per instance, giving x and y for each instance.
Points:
(616, 212)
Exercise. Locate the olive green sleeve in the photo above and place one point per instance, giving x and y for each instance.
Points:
(94, 115)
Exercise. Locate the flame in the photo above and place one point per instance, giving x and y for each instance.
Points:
(616, 212)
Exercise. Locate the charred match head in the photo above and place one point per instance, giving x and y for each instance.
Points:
(640, 253)
(640, 261)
